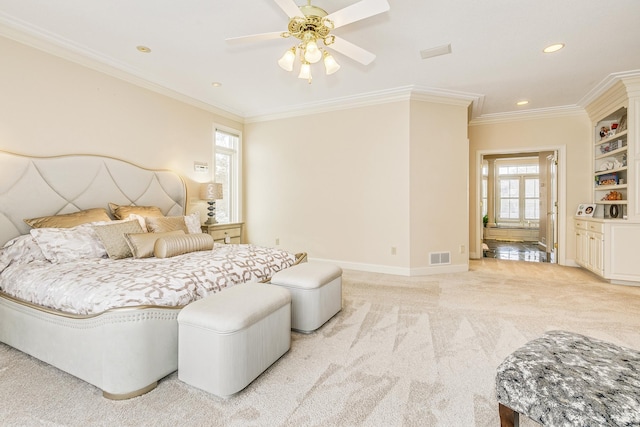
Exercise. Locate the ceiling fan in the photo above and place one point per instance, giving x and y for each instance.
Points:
(312, 25)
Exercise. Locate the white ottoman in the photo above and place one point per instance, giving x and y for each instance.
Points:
(229, 338)
(316, 293)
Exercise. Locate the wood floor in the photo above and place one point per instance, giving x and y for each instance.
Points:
(516, 251)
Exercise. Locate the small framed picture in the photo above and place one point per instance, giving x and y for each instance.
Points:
(586, 209)
(623, 124)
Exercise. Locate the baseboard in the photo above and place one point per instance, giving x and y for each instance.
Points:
(397, 271)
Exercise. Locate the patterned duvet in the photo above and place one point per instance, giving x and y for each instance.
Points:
(91, 286)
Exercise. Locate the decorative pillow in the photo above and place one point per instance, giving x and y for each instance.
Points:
(169, 246)
(140, 220)
(112, 237)
(123, 211)
(193, 223)
(166, 223)
(141, 244)
(69, 220)
(20, 250)
(68, 244)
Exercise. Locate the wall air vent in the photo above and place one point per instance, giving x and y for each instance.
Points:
(436, 258)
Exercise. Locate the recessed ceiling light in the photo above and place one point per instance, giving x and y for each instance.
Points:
(553, 48)
(523, 102)
(143, 49)
(216, 84)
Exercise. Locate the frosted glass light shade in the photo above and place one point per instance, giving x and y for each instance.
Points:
(311, 52)
(286, 62)
(211, 191)
(330, 64)
(305, 71)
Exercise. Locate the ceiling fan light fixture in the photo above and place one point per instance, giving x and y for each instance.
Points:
(286, 62)
(312, 25)
(330, 64)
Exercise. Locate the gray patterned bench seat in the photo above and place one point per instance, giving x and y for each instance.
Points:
(566, 379)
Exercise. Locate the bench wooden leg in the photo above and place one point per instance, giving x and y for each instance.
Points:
(508, 417)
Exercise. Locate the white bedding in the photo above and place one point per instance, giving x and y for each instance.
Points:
(94, 285)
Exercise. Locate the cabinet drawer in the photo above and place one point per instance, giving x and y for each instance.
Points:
(221, 234)
(581, 225)
(596, 227)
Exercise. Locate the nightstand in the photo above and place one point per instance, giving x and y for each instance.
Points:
(225, 233)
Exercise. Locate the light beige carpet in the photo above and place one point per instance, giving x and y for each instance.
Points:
(403, 352)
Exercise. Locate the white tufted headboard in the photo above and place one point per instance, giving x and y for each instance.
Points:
(39, 186)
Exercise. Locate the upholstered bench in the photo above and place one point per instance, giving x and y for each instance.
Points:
(566, 379)
(316, 293)
(226, 340)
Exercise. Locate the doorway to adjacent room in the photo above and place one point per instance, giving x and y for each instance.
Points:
(519, 198)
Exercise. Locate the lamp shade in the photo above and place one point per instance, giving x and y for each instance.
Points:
(312, 53)
(305, 71)
(211, 191)
(330, 64)
(286, 62)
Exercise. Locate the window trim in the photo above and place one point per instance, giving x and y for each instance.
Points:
(236, 201)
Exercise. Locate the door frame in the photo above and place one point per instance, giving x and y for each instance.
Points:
(561, 225)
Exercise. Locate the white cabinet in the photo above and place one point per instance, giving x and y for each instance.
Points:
(596, 250)
(609, 248)
(590, 245)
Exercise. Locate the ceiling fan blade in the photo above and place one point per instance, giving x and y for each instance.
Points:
(254, 38)
(352, 51)
(357, 11)
(289, 7)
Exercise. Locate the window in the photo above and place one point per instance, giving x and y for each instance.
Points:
(518, 190)
(227, 172)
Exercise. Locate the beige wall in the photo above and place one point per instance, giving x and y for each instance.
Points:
(51, 106)
(351, 185)
(333, 184)
(571, 132)
(439, 180)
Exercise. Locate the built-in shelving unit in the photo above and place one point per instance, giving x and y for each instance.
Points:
(607, 243)
(610, 165)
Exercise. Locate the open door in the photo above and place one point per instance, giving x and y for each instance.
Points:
(548, 238)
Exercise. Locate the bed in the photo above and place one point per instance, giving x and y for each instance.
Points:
(124, 345)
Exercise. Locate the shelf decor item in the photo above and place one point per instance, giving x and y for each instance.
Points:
(211, 192)
(586, 209)
(614, 211)
(608, 179)
(623, 123)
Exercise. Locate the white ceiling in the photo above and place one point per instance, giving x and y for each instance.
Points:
(496, 56)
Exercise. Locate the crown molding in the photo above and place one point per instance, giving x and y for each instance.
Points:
(442, 96)
(344, 103)
(606, 84)
(631, 77)
(399, 94)
(534, 114)
(52, 44)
